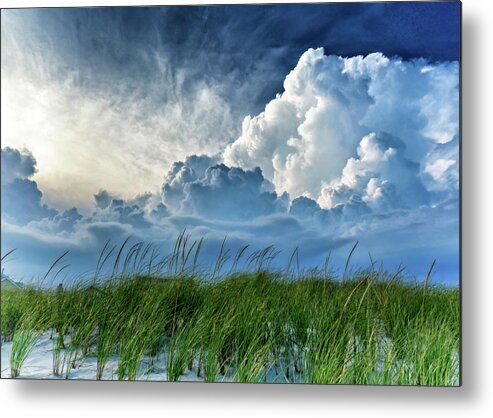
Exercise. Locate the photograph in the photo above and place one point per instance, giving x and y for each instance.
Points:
(233, 193)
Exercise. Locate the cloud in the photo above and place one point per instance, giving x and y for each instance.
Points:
(21, 197)
(159, 212)
(197, 186)
(22, 205)
(380, 176)
(110, 208)
(442, 169)
(182, 173)
(132, 211)
(21, 202)
(62, 224)
(17, 164)
(308, 130)
(103, 199)
(123, 213)
(318, 127)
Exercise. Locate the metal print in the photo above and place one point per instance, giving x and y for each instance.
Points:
(234, 193)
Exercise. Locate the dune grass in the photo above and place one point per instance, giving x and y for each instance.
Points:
(261, 325)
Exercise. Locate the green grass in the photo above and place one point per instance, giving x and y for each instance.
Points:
(261, 325)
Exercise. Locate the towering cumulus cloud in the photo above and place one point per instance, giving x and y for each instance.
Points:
(379, 128)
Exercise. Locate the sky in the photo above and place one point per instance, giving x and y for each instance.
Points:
(300, 126)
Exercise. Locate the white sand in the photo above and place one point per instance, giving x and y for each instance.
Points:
(39, 365)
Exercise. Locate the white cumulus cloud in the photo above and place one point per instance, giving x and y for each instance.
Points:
(322, 137)
(380, 175)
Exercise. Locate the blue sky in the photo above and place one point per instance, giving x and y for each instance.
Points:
(310, 126)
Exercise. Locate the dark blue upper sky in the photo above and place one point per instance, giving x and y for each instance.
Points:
(407, 29)
(250, 44)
